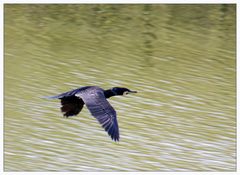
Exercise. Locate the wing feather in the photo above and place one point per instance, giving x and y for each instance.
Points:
(71, 104)
(101, 109)
(69, 93)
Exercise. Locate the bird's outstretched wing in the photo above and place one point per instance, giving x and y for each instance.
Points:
(69, 93)
(101, 109)
(71, 105)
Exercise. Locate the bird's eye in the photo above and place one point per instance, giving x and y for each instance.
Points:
(125, 93)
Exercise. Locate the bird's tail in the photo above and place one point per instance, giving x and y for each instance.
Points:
(51, 97)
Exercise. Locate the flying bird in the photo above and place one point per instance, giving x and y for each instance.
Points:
(95, 99)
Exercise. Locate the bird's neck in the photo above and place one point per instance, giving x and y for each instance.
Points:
(109, 93)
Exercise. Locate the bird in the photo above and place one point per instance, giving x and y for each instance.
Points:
(95, 98)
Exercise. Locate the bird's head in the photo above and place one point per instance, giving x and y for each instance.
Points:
(122, 91)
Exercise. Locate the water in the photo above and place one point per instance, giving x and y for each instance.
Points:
(180, 58)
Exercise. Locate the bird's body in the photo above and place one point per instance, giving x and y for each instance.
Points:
(95, 98)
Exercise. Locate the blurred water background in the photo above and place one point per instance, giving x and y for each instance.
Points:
(180, 58)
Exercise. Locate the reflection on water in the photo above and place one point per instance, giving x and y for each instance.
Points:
(180, 58)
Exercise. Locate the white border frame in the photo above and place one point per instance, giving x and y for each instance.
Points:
(108, 2)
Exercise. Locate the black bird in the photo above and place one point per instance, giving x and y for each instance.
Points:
(95, 99)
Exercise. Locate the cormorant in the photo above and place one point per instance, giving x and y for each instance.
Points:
(95, 99)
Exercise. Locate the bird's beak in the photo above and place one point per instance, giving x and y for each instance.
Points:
(132, 92)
